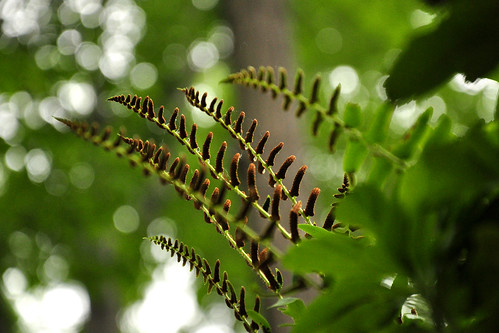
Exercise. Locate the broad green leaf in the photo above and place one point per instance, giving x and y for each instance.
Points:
(355, 153)
(451, 173)
(406, 149)
(442, 133)
(353, 305)
(295, 309)
(353, 115)
(259, 319)
(338, 255)
(291, 306)
(380, 124)
(382, 218)
(283, 302)
(314, 231)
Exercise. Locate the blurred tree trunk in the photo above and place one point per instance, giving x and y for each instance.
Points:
(103, 312)
(263, 38)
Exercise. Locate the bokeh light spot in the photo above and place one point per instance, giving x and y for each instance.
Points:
(329, 40)
(14, 282)
(347, 77)
(9, 124)
(47, 56)
(114, 65)
(174, 56)
(223, 38)
(22, 17)
(66, 15)
(38, 165)
(68, 41)
(64, 307)
(143, 75)
(56, 268)
(203, 55)
(77, 97)
(82, 175)
(88, 56)
(20, 244)
(126, 219)
(172, 282)
(57, 183)
(204, 4)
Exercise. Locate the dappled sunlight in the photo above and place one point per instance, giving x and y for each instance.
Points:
(25, 17)
(169, 302)
(421, 18)
(56, 308)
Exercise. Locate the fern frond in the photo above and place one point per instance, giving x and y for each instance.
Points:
(210, 277)
(329, 223)
(218, 171)
(265, 81)
(154, 160)
(256, 153)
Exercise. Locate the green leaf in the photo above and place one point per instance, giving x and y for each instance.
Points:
(338, 255)
(295, 309)
(453, 172)
(352, 116)
(379, 171)
(407, 148)
(443, 132)
(464, 42)
(259, 319)
(355, 152)
(291, 306)
(283, 302)
(380, 123)
(314, 231)
(353, 305)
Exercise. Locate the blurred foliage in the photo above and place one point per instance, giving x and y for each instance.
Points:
(62, 215)
(435, 226)
(464, 42)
